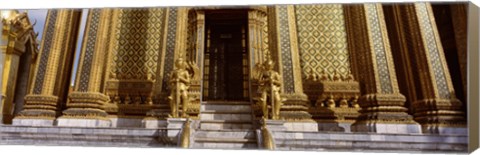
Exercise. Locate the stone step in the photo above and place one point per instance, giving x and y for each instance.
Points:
(225, 124)
(232, 134)
(227, 111)
(225, 143)
(219, 145)
(226, 140)
(226, 107)
(226, 116)
(227, 102)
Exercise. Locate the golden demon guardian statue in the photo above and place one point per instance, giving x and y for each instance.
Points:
(269, 85)
(179, 83)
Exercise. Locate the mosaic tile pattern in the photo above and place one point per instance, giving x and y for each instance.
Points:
(287, 65)
(170, 51)
(139, 42)
(89, 50)
(379, 49)
(433, 53)
(322, 39)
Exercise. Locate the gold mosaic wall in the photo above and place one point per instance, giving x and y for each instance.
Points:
(322, 39)
(138, 43)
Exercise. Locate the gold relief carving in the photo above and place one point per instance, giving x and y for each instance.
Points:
(131, 92)
(334, 98)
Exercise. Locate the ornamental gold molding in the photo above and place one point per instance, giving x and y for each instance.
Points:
(333, 100)
(18, 53)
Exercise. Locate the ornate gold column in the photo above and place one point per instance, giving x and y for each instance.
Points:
(286, 49)
(257, 38)
(257, 18)
(3, 42)
(87, 100)
(435, 105)
(459, 20)
(52, 75)
(382, 104)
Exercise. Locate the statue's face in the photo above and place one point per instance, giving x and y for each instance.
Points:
(269, 65)
(180, 64)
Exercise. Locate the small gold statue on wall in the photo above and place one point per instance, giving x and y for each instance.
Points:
(180, 79)
(270, 85)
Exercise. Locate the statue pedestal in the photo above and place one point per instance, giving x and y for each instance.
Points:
(153, 123)
(275, 125)
(174, 127)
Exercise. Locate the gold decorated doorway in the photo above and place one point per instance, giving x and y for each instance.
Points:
(227, 44)
(225, 70)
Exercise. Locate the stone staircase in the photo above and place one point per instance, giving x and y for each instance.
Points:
(225, 125)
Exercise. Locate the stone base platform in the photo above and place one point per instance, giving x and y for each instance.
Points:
(284, 140)
(76, 122)
(33, 122)
(84, 136)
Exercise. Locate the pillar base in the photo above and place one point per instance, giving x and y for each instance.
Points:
(83, 122)
(384, 113)
(295, 107)
(392, 128)
(33, 121)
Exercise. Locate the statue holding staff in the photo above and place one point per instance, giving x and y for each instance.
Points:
(179, 84)
(270, 86)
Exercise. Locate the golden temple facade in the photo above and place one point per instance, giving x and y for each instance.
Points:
(346, 68)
